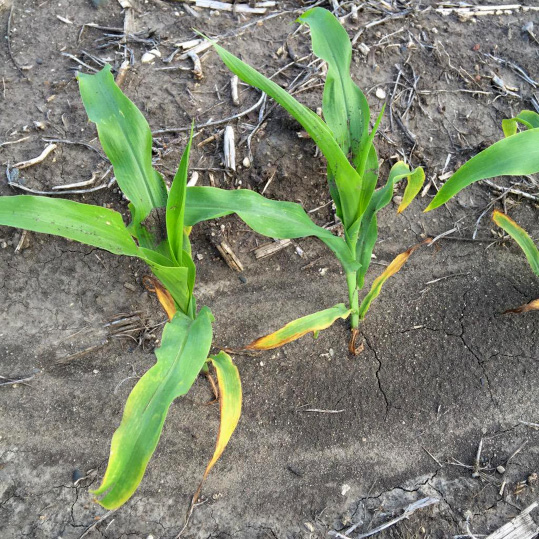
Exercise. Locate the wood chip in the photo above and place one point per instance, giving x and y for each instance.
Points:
(270, 249)
(521, 527)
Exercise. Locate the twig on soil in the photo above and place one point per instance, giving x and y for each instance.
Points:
(433, 457)
(13, 381)
(258, 8)
(401, 15)
(510, 190)
(408, 512)
(101, 519)
(516, 453)
(8, 42)
(515, 68)
(477, 461)
(447, 277)
(521, 527)
(320, 411)
(80, 62)
(210, 124)
(443, 235)
(36, 160)
(270, 249)
(77, 143)
(528, 424)
(8, 142)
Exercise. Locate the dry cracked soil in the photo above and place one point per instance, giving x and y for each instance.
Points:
(442, 367)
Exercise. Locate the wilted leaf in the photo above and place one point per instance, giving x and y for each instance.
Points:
(393, 268)
(312, 323)
(531, 306)
(163, 295)
(230, 398)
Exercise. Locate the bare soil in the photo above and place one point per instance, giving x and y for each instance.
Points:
(442, 367)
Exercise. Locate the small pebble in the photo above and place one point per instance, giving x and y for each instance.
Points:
(309, 526)
(77, 474)
(150, 56)
(246, 162)
(130, 286)
(500, 469)
(380, 93)
(364, 49)
(200, 256)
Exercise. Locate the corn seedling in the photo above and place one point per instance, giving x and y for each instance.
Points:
(346, 141)
(157, 234)
(515, 155)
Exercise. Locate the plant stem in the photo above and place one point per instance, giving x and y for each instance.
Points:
(353, 300)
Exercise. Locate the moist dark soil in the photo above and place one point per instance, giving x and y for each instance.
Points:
(442, 367)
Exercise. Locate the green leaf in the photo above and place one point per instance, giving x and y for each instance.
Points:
(528, 118)
(313, 323)
(176, 205)
(393, 268)
(346, 178)
(516, 155)
(92, 225)
(184, 349)
(368, 231)
(272, 218)
(345, 108)
(521, 237)
(127, 140)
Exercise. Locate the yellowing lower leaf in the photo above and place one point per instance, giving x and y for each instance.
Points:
(163, 295)
(230, 398)
(531, 306)
(296, 329)
(393, 268)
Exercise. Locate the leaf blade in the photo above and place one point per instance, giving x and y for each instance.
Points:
(345, 107)
(515, 155)
(368, 229)
(521, 237)
(272, 218)
(146, 408)
(176, 204)
(126, 139)
(296, 329)
(346, 178)
(91, 225)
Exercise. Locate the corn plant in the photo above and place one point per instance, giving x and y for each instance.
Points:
(156, 234)
(515, 155)
(346, 140)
